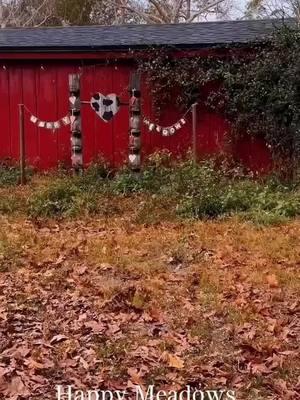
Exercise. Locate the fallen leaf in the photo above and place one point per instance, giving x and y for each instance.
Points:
(272, 281)
(16, 388)
(95, 326)
(175, 362)
(58, 338)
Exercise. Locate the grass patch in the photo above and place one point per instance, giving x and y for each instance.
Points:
(9, 175)
(10, 252)
(164, 191)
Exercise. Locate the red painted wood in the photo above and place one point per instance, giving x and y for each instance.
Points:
(254, 153)
(15, 98)
(146, 137)
(212, 129)
(31, 130)
(47, 111)
(120, 123)
(88, 118)
(5, 148)
(45, 92)
(101, 56)
(103, 131)
(62, 101)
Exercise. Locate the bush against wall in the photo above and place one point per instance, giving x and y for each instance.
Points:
(257, 89)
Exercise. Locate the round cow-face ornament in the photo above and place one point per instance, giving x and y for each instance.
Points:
(106, 107)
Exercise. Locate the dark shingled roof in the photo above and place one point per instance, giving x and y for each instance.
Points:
(86, 38)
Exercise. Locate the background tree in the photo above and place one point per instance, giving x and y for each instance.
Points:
(77, 12)
(25, 13)
(273, 8)
(174, 11)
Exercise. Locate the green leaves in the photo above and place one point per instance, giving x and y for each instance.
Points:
(258, 90)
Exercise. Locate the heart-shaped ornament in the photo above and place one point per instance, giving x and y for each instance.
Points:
(106, 107)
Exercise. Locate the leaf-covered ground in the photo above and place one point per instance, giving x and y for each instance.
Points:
(107, 303)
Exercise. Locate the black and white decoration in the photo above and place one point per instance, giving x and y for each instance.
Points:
(106, 107)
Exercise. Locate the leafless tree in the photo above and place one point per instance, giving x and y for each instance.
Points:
(274, 8)
(25, 12)
(173, 11)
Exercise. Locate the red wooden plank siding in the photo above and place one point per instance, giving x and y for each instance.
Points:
(88, 118)
(5, 148)
(15, 98)
(120, 123)
(62, 96)
(47, 111)
(30, 100)
(45, 92)
(146, 138)
(103, 131)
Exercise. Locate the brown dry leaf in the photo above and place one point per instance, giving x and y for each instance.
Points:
(84, 363)
(175, 361)
(135, 376)
(281, 387)
(3, 371)
(156, 314)
(81, 270)
(95, 326)
(272, 281)
(16, 389)
(260, 369)
(32, 364)
(58, 338)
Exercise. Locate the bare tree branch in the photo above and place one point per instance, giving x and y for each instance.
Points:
(34, 14)
(204, 10)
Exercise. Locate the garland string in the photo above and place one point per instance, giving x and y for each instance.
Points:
(53, 125)
(169, 130)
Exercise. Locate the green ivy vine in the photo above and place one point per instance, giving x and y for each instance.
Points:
(256, 87)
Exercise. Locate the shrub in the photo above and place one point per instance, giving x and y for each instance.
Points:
(9, 175)
(245, 197)
(54, 200)
(163, 191)
(95, 175)
(10, 203)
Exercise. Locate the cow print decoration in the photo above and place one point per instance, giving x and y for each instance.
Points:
(105, 107)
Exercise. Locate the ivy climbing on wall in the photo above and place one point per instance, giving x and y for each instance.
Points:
(256, 87)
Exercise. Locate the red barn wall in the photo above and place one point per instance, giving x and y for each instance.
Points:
(43, 87)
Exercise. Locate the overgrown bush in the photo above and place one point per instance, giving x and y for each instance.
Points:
(257, 90)
(53, 201)
(248, 198)
(163, 190)
(9, 175)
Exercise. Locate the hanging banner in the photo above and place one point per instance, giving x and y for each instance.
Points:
(51, 125)
(165, 131)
